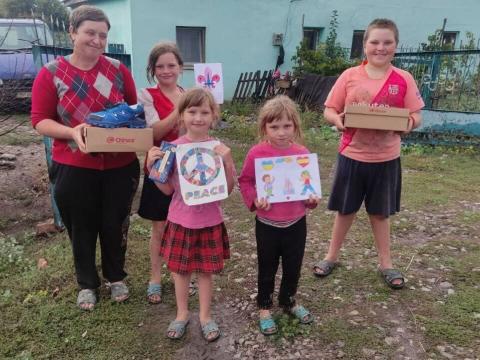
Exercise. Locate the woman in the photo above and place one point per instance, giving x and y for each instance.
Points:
(164, 66)
(93, 192)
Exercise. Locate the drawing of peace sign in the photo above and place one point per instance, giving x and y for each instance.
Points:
(197, 170)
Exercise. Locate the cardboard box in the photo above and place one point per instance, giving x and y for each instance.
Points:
(118, 140)
(376, 117)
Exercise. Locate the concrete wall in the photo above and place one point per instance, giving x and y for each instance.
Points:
(239, 32)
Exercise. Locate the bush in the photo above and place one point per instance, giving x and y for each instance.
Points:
(328, 59)
(11, 254)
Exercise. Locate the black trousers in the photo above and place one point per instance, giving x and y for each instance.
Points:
(272, 244)
(96, 203)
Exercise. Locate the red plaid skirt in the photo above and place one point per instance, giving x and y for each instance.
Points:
(194, 250)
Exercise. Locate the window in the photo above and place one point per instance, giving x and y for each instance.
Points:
(116, 48)
(449, 38)
(311, 37)
(16, 35)
(191, 43)
(357, 44)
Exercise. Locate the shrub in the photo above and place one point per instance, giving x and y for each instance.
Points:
(328, 59)
(11, 254)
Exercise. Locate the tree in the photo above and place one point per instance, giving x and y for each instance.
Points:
(47, 9)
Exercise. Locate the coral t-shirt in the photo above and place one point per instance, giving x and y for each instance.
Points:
(396, 89)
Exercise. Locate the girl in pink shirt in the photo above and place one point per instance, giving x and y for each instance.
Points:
(280, 228)
(368, 166)
(195, 238)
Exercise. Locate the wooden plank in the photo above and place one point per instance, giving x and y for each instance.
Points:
(237, 88)
(245, 86)
(250, 85)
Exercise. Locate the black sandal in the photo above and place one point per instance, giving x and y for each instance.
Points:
(326, 266)
(389, 275)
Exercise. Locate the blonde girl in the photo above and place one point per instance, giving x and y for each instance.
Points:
(280, 228)
(195, 238)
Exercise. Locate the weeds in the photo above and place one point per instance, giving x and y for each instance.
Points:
(39, 318)
(11, 255)
(289, 327)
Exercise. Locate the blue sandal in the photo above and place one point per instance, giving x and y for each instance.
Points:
(178, 328)
(210, 328)
(302, 314)
(267, 326)
(154, 292)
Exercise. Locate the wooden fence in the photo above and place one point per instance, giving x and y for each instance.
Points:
(253, 86)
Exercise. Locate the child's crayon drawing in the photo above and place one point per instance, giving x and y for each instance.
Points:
(268, 184)
(210, 77)
(287, 178)
(201, 173)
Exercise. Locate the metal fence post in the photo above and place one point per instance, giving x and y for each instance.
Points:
(47, 141)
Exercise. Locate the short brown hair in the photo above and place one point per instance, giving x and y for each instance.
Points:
(158, 50)
(196, 97)
(273, 110)
(382, 24)
(87, 13)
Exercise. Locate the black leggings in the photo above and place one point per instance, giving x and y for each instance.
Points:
(273, 243)
(96, 203)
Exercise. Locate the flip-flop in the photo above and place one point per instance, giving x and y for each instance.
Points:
(154, 291)
(86, 297)
(389, 275)
(326, 266)
(209, 328)
(178, 327)
(302, 314)
(118, 291)
(267, 325)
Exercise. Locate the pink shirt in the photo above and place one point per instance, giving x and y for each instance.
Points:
(279, 211)
(396, 89)
(191, 216)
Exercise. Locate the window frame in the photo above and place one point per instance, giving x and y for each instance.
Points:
(202, 30)
(449, 34)
(317, 33)
(354, 49)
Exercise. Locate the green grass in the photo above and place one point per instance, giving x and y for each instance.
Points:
(454, 321)
(40, 320)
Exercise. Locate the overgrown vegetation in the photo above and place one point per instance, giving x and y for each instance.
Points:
(46, 8)
(447, 81)
(435, 241)
(328, 59)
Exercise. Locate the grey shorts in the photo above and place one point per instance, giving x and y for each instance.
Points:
(378, 184)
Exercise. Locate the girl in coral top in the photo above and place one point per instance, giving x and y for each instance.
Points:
(368, 166)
